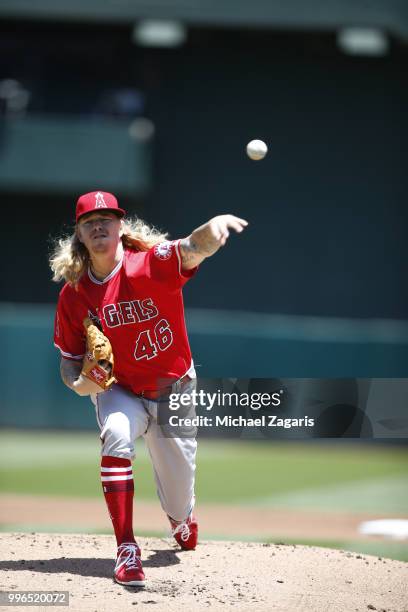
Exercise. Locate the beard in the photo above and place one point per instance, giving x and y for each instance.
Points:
(100, 245)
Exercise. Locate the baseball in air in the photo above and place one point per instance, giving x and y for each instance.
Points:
(256, 149)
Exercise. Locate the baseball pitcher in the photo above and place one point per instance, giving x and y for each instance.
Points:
(120, 328)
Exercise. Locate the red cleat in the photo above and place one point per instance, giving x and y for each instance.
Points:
(185, 533)
(128, 568)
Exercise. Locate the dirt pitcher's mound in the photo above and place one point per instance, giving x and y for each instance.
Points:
(216, 576)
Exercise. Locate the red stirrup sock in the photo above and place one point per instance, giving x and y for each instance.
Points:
(118, 487)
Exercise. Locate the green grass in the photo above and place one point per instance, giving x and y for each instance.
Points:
(274, 474)
(386, 494)
(259, 473)
(61, 464)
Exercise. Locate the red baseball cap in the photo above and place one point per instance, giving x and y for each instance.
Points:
(97, 201)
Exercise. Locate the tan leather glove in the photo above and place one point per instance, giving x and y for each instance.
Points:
(98, 362)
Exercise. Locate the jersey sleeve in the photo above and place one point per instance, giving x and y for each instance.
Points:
(69, 337)
(165, 265)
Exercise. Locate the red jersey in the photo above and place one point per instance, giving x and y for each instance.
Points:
(139, 307)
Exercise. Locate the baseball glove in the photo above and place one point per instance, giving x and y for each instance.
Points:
(98, 361)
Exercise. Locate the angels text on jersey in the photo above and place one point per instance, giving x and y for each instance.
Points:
(123, 313)
(149, 341)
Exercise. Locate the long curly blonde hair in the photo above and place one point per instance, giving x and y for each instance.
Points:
(70, 258)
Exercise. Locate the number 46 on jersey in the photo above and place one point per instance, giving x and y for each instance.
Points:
(149, 342)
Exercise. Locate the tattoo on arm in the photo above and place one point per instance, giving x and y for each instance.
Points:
(70, 370)
(191, 255)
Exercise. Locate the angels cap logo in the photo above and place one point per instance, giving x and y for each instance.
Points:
(163, 250)
(99, 201)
